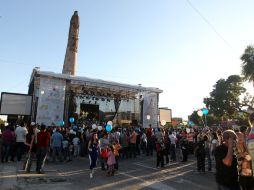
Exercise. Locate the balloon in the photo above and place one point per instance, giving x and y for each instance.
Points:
(200, 113)
(108, 128)
(187, 130)
(99, 128)
(109, 123)
(184, 122)
(163, 122)
(61, 123)
(205, 111)
(94, 126)
(71, 120)
(148, 117)
(190, 123)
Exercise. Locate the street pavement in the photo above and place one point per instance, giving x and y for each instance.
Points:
(139, 173)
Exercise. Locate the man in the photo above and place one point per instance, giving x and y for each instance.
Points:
(20, 133)
(8, 139)
(226, 163)
(149, 135)
(103, 145)
(43, 139)
(56, 143)
(133, 140)
(173, 140)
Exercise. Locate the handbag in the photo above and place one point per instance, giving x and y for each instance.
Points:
(104, 153)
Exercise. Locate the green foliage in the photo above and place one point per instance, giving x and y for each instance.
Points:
(224, 101)
(248, 64)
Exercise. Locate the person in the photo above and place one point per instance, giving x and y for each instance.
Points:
(133, 139)
(200, 154)
(184, 148)
(56, 142)
(31, 148)
(117, 148)
(20, 133)
(149, 135)
(207, 143)
(167, 147)
(66, 148)
(173, 140)
(124, 144)
(143, 142)
(75, 143)
(215, 143)
(43, 138)
(159, 154)
(93, 148)
(226, 162)
(111, 161)
(8, 138)
(244, 163)
(103, 145)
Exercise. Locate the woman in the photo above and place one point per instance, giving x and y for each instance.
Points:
(31, 148)
(93, 148)
(244, 163)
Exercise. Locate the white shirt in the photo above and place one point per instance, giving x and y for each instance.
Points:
(21, 133)
(172, 139)
(75, 141)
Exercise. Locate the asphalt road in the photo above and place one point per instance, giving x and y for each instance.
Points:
(139, 173)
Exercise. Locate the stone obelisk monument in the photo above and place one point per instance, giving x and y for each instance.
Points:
(70, 60)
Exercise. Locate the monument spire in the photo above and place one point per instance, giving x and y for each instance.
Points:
(70, 60)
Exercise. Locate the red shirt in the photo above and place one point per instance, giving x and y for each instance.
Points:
(8, 137)
(43, 139)
(149, 133)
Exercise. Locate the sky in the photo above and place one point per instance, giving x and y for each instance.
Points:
(180, 46)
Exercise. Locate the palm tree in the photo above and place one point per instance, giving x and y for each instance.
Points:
(248, 64)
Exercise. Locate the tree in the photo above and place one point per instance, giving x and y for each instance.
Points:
(248, 64)
(224, 101)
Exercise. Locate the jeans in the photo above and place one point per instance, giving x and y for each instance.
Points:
(125, 152)
(40, 155)
(209, 160)
(132, 150)
(20, 150)
(5, 152)
(173, 152)
(149, 149)
(57, 152)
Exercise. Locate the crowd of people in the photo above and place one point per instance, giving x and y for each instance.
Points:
(59, 144)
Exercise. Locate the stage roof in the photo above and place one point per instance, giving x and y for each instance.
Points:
(95, 83)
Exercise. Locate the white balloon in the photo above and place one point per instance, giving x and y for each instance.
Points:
(148, 117)
(187, 130)
(163, 122)
(109, 122)
(94, 126)
(99, 128)
(200, 113)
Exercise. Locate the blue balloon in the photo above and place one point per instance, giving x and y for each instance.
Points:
(190, 123)
(108, 128)
(205, 111)
(71, 120)
(61, 123)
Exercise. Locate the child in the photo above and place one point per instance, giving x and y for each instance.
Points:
(200, 154)
(111, 161)
(116, 147)
(76, 142)
(66, 151)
